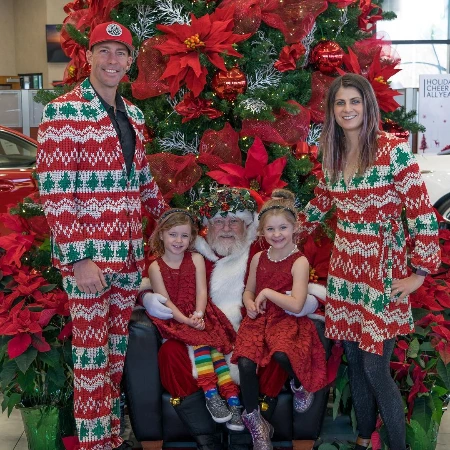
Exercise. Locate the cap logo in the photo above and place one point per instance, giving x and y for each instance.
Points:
(114, 30)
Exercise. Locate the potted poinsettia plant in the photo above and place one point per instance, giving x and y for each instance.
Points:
(35, 327)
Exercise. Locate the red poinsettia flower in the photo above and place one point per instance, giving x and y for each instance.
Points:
(318, 252)
(378, 74)
(257, 174)
(192, 108)
(211, 35)
(370, 15)
(289, 56)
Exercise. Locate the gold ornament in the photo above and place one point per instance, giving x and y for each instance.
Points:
(175, 401)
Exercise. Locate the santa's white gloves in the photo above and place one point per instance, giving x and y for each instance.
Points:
(309, 307)
(154, 305)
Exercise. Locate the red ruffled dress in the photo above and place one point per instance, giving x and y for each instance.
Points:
(181, 287)
(258, 339)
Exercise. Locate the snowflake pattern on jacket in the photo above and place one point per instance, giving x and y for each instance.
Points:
(92, 206)
(369, 248)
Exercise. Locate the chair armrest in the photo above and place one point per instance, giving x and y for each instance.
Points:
(141, 380)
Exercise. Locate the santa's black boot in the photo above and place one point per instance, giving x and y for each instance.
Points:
(239, 440)
(193, 413)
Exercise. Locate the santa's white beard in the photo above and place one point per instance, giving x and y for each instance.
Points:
(227, 248)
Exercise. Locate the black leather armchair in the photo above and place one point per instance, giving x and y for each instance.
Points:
(155, 422)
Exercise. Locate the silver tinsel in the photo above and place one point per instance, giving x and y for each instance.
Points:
(255, 105)
(307, 41)
(168, 13)
(265, 77)
(144, 27)
(342, 21)
(261, 38)
(315, 130)
(176, 141)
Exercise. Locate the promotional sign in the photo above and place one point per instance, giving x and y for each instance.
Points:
(434, 114)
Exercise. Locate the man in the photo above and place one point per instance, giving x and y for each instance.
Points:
(93, 176)
(228, 249)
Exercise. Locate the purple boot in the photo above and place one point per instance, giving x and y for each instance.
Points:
(260, 430)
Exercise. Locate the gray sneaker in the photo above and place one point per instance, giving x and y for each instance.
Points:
(218, 409)
(235, 423)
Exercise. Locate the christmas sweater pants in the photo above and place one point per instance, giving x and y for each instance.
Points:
(100, 338)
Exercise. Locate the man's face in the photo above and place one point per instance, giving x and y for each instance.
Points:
(226, 235)
(109, 62)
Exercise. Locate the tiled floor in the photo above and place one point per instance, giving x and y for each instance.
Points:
(12, 436)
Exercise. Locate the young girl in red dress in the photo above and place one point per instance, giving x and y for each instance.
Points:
(277, 282)
(180, 276)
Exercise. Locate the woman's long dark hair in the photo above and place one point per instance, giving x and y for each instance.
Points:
(332, 139)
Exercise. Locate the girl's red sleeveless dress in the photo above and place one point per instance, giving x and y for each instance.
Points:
(258, 339)
(180, 285)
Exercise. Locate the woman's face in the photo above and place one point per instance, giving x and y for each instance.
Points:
(348, 109)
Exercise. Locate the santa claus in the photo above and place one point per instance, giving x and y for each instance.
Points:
(228, 246)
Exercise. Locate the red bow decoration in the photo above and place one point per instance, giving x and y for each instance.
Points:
(287, 129)
(192, 108)
(257, 174)
(370, 15)
(211, 35)
(289, 56)
(383, 61)
(177, 174)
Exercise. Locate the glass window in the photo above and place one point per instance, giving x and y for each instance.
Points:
(416, 20)
(418, 59)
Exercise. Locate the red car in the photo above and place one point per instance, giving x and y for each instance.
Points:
(17, 161)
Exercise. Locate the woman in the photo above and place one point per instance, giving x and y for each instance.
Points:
(369, 176)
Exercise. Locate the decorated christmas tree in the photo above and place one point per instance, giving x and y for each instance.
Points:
(212, 76)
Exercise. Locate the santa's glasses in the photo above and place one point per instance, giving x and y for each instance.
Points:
(231, 222)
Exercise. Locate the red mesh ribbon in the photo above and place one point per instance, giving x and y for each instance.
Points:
(174, 174)
(151, 64)
(177, 174)
(319, 85)
(289, 56)
(293, 18)
(247, 15)
(287, 129)
(218, 147)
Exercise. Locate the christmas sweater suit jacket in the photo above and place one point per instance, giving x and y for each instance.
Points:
(92, 206)
(369, 248)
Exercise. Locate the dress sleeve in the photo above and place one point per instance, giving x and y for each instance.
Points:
(421, 220)
(56, 169)
(315, 210)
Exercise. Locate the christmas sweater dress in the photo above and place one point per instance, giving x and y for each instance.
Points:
(181, 287)
(258, 339)
(369, 247)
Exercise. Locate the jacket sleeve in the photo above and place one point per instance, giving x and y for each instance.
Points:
(151, 196)
(315, 210)
(421, 220)
(56, 169)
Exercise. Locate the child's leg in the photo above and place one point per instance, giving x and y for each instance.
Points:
(227, 388)
(302, 398)
(207, 380)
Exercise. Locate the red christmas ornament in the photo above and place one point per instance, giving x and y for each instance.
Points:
(394, 128)
(228, 85)
(327, 56)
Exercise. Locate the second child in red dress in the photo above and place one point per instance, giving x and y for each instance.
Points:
(277, 282)
(180, 276)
